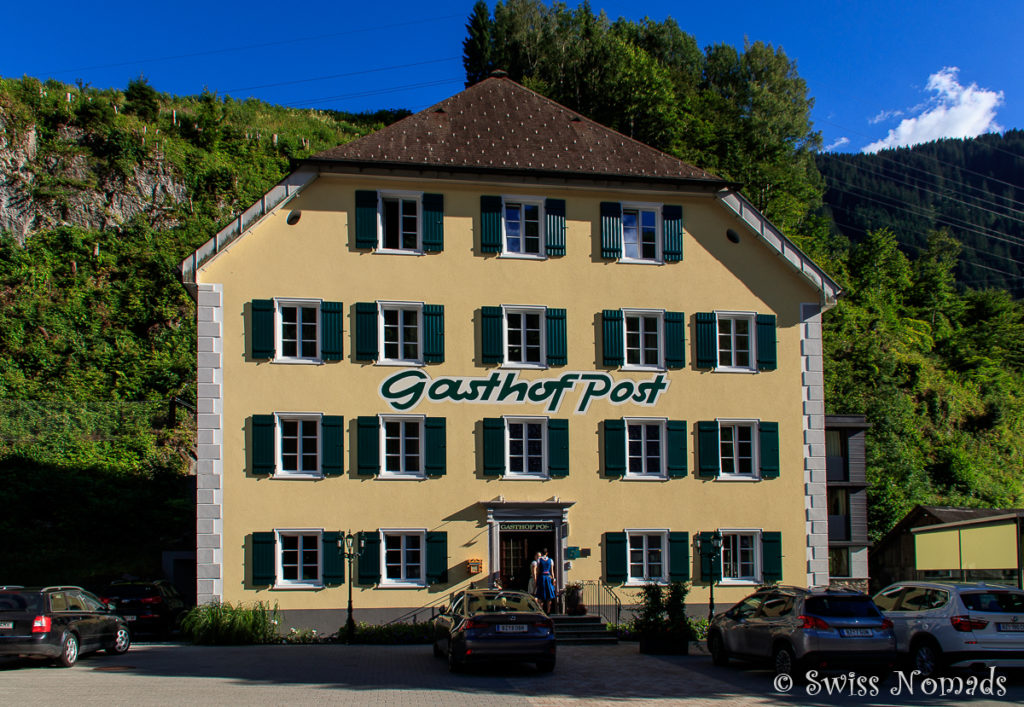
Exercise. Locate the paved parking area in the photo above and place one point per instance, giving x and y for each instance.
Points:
(409, 675)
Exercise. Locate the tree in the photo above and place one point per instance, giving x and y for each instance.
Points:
(141, 99)
(477, 47)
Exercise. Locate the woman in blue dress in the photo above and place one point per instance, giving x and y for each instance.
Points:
(545, 581)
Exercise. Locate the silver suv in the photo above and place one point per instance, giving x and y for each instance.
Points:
(798, 629)
(954, 624)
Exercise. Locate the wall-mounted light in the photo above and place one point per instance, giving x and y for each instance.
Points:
(732, 236)
(293, 217)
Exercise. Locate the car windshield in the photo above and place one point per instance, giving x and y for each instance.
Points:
(841, 607)
(131, 591)
(29, 602)
(501, 602)
(994, 602)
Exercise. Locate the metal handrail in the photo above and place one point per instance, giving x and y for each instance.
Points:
(414, 613)
(595, 595)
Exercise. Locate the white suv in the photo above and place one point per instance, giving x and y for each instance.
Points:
(953, 624)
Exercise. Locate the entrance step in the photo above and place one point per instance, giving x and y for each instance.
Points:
(582, 630)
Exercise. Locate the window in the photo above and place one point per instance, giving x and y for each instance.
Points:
(402, 439)
(298, 445)
(736, 440)
(645, 444)
(740, 552)
(527, 444)
(735, 341)
(839, 562)
(401, 332)
(887, 600)
(298, 337)
(738, 449)
(400, 222)
(647, 556)
(643, 339)
(402, 557)
(640, 241)
(524, 336)
(298, 558)
(523, 227)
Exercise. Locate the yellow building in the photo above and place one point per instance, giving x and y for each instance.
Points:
(493, 327)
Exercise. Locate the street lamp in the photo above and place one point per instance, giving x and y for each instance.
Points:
(713, 551)
(351, 552)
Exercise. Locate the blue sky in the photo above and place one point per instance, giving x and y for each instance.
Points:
(881, 73)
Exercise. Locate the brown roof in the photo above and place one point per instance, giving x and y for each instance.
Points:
(952, 514)
(498, 124)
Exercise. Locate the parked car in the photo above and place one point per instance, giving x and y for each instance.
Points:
(149, 607)
(795, 630)
(955, 624)
(59, 623)
(490, 625)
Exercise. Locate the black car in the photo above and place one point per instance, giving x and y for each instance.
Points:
(149, 607)
(59, 623)
(488, 625)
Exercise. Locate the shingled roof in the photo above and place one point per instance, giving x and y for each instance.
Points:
(498, 124)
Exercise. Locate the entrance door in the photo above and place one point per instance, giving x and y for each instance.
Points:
(517, 550)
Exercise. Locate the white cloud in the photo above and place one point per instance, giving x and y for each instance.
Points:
(954, 111)
(837, 144)
(885, 115)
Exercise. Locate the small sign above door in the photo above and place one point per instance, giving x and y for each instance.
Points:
(541, 526)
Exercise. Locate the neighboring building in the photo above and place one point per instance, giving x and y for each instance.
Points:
(845, 467)
(946, 543)
(497, 326)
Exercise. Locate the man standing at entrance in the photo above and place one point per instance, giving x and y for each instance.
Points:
(532, 587)
(545, 581)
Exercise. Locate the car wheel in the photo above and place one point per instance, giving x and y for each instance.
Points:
(546, 665)
(784, 661)
(68, 651)
(926, 656)
(716, 646)
(122, 641)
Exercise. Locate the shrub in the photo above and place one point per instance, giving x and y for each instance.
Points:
(225, 624)
(394, 634)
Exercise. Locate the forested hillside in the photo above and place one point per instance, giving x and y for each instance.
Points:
(974, 188)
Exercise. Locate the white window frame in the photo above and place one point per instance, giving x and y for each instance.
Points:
(659, 236)
(507, 309)
(282, 583)
(416, 196)
(633, 581)
(537, 201)
(660, 364)
(382, 359)
(755, 450)
(279, 470)
(382, 427)
(526, 420)
(751, 318)
(279, 303)
(662, 473)
(747, 580)
(404, 582)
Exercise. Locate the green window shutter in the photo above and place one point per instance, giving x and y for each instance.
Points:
(679, 557)
(768, 441)
(369, 445)
(675, 340)
(433, 333)
(676, 448)
(492, 344)
(433, 223)
(709, 456)
(332, 319)
(558, 448)
(437, 557)
(369, 557)
(435, 448)
(611, 230)
(366, 219)
(554, 226)
(263, 443)
(767, 357)
(332, 431)
(672, 232)
(490, 224)
(611, 337)
(710, 561)
(614, 447)
(494, 446)
(615, 558)
(366, 331)
(771, 557)
(334, 559)
(261, 320)
(264, 564)
(706, 335)
(556, 337)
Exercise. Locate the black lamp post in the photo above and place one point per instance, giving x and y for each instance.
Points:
(352, 551)
(711, 551)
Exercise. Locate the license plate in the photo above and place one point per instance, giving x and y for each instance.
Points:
(512, 628)
(7, 624)
(129, 618)
(1011, 627)
(857, 632)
